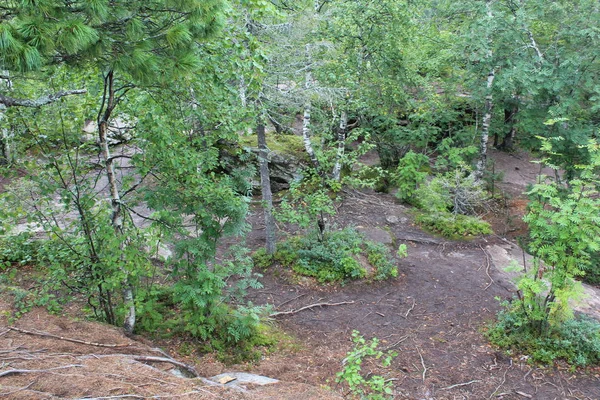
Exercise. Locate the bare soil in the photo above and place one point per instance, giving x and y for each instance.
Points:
(434, 315)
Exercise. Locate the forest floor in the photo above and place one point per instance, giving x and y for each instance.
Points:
(434, 314)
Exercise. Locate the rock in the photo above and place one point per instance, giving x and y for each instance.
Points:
(392, 219)
(283, 169)
(376, 234)
(235, 379)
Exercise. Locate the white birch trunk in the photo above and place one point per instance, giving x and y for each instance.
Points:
(117, 211)
(341, 137)
(306, 118)
(485, 127)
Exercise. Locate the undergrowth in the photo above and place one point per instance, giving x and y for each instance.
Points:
(335, 258)
(576, 341)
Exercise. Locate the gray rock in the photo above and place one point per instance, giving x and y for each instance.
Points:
(240, 378)
(376, 234)
(392, 219)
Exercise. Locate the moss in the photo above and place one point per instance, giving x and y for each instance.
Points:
(285, 144)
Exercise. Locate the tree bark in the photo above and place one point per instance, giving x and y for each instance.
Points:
(510, 118)
(265, 184)
(485, 127)
(341, 137)
(306, 118)
(108, 106)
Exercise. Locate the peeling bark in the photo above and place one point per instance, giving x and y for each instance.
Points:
(306, 118)
(485, 128)
(341, 137)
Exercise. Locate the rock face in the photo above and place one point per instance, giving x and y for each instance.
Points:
(283, 169)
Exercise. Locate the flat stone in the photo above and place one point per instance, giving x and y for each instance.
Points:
(237, 378)
(392, 219)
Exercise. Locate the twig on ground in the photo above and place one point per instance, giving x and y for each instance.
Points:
(290, 300)
(382, 297)
(523, 394)
(191, 370)
(487, 268)
(5, 332)
(422, 363)
(410, 309)
(501, 383)
(31, 371)
(276, 314)
(49, 335)
(459, 385)
(17, 390)
(397, 343)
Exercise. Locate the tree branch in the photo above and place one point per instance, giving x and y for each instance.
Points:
(41, 101)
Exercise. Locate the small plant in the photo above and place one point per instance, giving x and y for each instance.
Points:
(374, 387)
(409, 175)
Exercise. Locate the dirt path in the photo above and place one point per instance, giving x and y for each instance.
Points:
(433, 315)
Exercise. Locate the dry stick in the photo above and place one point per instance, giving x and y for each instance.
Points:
(410, 309)
(422, 363)
(18, 390)
(487, 268)
(501, 383)
(397, 343)
(289, 301)
(29, 371)
(167, 359)
(309, 307)
(49, 335)
(382, 297)
(5, 332)
(459, 385)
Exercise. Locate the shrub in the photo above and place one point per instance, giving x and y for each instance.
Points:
(409, 175)
(453, 225)
(335, 258)
(577, 341)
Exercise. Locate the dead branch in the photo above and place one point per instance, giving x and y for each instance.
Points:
(51, 98)
(501, 383)
(289, 301)
(422, 363)
(276, 314)
(459, 385)
(31, 371)
(17, 390)
(49, 335)
(487, 268)
(5, 332)
(396, 344)
(410, 309)
(188, 368)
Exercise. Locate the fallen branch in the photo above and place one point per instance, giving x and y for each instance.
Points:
(422, 363)
(191, 370)
(31, 371)
(49, 335)
(487, 268)
(410, 309)
(290, 300)
(276, 314)
(459, 385)
(17, 390)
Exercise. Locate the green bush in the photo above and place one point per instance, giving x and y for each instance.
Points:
(409, 175)
(453, 225)
(577, 340)
(335, 258)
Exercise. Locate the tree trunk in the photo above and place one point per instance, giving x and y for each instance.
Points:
(510, 118)
(485, 128)
(341, 137)
(265, 185)
(108, 105)
(306, 118)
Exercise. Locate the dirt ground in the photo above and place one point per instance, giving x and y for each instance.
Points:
(434, 315)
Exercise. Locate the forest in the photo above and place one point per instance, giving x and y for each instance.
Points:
(276, 185)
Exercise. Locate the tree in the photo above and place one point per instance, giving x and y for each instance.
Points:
(132, 43)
